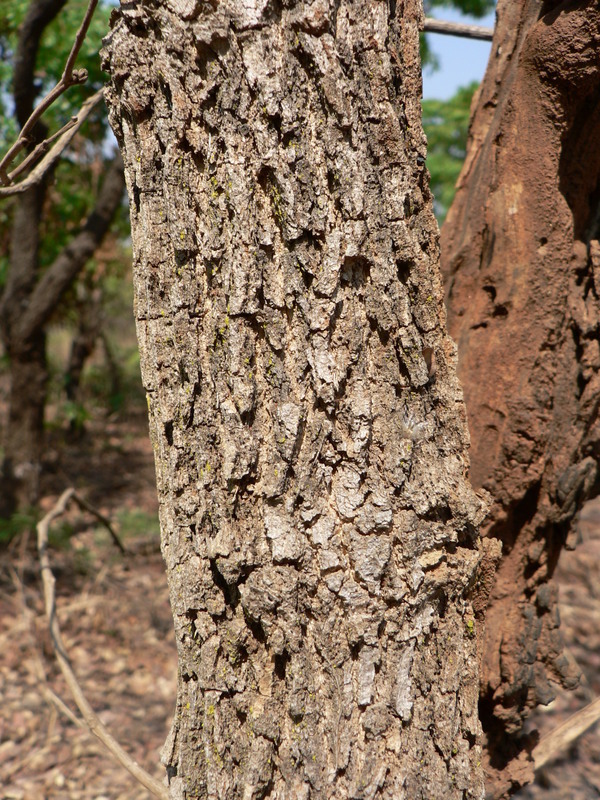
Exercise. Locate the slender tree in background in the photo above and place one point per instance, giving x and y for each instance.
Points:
(50, 233)
(319, 531)
(522, 263)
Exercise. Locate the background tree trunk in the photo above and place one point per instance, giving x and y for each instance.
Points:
(309, 431)
(26, 305)
(31, 293)
(22, 438)
(522, 263)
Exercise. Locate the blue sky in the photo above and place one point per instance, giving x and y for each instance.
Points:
(461, 60)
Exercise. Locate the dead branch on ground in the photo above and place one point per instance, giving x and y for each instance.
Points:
(559, 739)
(89, 715)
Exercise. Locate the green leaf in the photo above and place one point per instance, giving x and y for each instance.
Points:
(471, 8)
(446, 124)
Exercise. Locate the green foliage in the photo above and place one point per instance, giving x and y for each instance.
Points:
(60, 535)
(52, 55)
(446, 124)
(79, 172)
(17, 524)
(11, 15)
(472, 8)
(71, 194)
(111, 381)
(74, 414)
(135, 522)
(25, 521)
(110, 386)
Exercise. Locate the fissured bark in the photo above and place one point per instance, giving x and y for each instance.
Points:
(309, 432)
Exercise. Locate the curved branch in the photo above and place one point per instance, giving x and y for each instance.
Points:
(24, 74)
(61, 273)
(61, 139)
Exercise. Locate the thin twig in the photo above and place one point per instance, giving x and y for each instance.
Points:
(36, 175)
(39, 150)
(70, 77)
(38, 670)
(92, 720)
(85, 506)
(559, 739)
(458, 29)
(71, 494)
(35, 666)
(79, 39)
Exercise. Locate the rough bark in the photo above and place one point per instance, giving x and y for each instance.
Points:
(27, 362)
(522, 263)
(310, 441)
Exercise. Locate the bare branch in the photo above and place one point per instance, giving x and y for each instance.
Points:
(35, 666)
(68, 73)
(559, 739)
(65, 135)
(458, 29)
(92, 720)
(85, 506)
(41, 148)
(69, 78)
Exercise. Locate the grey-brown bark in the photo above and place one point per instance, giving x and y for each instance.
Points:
(27, 362)
(309, 432)
(521, 255)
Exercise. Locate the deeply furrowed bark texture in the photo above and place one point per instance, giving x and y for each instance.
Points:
(318, 528)
(522, 262)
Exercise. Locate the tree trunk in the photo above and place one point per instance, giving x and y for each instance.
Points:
(309, 431)
(28, 301)
(522, 264)
(29, 296)
(28, 374)
(90, 324)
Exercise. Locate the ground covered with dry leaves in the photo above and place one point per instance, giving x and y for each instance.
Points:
(116, 622)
